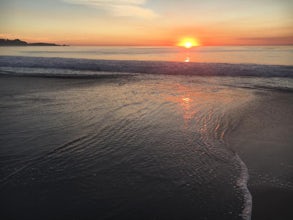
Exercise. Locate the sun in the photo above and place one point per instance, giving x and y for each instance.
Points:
(188, 43)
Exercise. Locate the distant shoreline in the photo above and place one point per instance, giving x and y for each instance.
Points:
(17, 42)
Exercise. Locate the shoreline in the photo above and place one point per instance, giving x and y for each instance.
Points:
(263, 142)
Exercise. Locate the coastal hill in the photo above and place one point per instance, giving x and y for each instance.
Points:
(17, 42)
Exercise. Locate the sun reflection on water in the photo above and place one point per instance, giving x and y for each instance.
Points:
(202, 106)
(187, 60)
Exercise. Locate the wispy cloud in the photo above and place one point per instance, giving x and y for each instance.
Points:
(122, 8)
(280, 40)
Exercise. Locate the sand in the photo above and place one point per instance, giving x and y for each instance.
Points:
(264, 141)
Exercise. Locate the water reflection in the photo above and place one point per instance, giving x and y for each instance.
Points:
(187, 60)
(185, 98)
(203, 106)
(279, 55)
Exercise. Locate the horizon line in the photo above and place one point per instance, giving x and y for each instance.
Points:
(61, 43)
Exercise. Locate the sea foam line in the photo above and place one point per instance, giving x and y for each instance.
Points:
(242, 184)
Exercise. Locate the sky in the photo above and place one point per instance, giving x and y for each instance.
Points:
(148, 22)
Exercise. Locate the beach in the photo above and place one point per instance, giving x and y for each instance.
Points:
(264, 142)
(146, 110)
(147, 146)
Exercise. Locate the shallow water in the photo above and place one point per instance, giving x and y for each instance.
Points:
(146, 147)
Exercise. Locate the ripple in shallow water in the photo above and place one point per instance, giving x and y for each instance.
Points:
(154, 147)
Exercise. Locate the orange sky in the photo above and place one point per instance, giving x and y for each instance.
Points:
(148, 22)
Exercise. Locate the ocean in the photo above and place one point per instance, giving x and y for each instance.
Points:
(146, 133)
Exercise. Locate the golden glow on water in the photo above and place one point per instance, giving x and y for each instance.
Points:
(202, 106)
(187, 60)
(257, 55)
(186, 100)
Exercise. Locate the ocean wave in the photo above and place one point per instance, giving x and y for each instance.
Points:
(60, 73)
(96, 68)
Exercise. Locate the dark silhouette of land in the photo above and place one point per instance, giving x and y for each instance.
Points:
(17, 42)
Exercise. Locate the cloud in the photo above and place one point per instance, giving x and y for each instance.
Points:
(280, 40)
(121, 8)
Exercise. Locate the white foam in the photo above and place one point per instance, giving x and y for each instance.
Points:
(242, 184)
(150, 67)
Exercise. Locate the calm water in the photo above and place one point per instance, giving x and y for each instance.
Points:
(275, 55)
(134, 136)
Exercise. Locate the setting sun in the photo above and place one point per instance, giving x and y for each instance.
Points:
(188, 43)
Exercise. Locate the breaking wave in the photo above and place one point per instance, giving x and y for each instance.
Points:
(67, 67)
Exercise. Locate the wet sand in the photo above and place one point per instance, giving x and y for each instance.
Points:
(262, 138)
(271, 203)
(264, 142)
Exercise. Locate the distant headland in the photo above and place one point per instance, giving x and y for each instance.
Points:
(17, 42)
